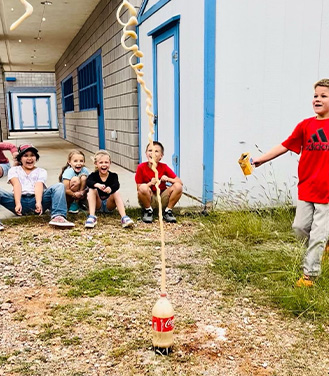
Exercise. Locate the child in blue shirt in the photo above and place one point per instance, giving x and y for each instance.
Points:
(74, 177)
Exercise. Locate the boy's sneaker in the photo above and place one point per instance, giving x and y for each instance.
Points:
(60, 221)
(305, 281)
(91, 221)
(127, 222)
(74, 208)
(168, 216)
(147, 216)
(1, 226)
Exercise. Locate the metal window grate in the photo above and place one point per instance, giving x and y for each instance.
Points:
(68, 95)
(88, 86)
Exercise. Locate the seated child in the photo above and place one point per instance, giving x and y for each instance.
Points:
(4, 162)
(103, 194)
(146, 190)
(30, 194)
(74, 177)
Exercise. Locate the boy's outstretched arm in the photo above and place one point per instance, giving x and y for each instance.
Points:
(271, 154)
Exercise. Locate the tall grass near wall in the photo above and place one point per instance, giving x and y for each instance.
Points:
(256, 249)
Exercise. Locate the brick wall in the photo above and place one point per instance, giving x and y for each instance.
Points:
(3, 112)
(31, 79)
(102, 31)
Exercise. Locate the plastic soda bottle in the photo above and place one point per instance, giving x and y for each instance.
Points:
(163, 325)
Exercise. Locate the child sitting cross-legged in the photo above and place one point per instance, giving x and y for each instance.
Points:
(103, 194)
(30, 194)
(74, 177)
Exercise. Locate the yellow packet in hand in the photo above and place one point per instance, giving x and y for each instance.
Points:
(245, 163)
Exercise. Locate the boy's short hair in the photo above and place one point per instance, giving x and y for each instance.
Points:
(322, 82)
(156, 143)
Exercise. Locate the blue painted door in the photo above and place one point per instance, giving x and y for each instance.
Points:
(167, 94)
(34, 113)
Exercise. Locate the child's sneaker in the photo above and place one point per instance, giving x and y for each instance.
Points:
(74, 208)
(169, 217)
(127, 222)
(148, 216)
(305, 281)
(1, 226)
(91, 221)
(60, 221)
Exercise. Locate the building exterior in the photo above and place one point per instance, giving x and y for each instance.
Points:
(227, 77)
(97, 90)
(31, 101)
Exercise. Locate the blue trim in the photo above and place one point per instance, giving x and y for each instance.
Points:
(20, 113)
(35, 89)
(92, 57)
(63, 107)
(10, 111)
(101, 126)
(10, 78)
(164, 26)
(139, 110)
(144, 16)
(169, 29)
(49, 112)
(209, 99)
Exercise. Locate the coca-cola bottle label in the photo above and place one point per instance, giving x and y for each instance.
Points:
(160, 324)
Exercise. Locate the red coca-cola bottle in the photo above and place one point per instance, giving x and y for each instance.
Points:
(163, 325)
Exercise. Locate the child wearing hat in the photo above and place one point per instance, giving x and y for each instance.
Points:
(30, 194)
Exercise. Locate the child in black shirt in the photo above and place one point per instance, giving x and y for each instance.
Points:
(103, 192)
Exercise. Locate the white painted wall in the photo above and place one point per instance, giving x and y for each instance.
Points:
(53, 109)
(268, 56)
(191, 86)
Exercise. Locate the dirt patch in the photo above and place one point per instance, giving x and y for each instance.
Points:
(46, 333)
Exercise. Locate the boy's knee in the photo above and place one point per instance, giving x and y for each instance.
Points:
(300, 231)
(143, 189)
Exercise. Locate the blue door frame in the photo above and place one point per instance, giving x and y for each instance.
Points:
(165, 31)
(100, 103)
(35, 124)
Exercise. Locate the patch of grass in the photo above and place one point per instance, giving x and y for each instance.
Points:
(258, 248)
(50, 332)
(111, 281)
(4, 358)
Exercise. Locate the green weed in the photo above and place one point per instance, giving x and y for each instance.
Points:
(111, 281)
(258, 248)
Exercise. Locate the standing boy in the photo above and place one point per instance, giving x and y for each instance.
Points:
(311, 139)
(146, 190)
(30, 194)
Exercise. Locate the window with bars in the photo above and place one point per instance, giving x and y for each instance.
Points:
(87, 79)
(68, 100)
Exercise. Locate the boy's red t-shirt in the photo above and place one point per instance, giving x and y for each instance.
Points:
(311, 139)
(144, 174)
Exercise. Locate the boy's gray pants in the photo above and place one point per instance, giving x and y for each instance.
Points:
(311, 224)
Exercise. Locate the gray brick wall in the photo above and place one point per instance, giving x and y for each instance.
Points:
(102, 31)
(3, 112)
(31, 79)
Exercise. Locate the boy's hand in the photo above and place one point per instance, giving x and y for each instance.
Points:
(107, 190)
(164, 178)
(18, 209)
(100, 186)
(153, 181)
(256, 162)
(38, 208)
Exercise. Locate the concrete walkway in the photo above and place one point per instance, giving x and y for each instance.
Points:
(53, 156)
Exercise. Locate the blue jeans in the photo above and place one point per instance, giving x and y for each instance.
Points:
(53, 198)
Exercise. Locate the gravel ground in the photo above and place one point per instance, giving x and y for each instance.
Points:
(44, 332)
